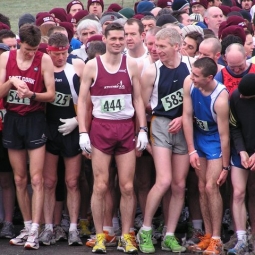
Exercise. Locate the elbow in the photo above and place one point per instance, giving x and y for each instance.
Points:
(52, 97)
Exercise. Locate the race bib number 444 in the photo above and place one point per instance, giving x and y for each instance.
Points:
(112, 105)
(172, 100)
(13, 98)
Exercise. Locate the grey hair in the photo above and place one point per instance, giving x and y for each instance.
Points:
(88, 23)
(171, 34)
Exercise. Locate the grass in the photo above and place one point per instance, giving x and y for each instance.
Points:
(14, 8)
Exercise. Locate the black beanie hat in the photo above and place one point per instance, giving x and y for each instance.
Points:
(246, 86)
(166, 18)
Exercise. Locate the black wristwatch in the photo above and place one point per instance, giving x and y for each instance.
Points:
(33, 96)
(226, 168)
(144, 129)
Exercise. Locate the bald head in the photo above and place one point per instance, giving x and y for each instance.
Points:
(212, 44)
(236, 48)
(213, 18)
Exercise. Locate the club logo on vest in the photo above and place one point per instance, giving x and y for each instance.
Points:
(122, 70)
(36, 69)
(121, 85)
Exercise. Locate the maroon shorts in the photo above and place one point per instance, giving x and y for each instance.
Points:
(113, 137)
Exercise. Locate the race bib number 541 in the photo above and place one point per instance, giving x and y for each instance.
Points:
(172, 100)
(112, 104)
(13, 98)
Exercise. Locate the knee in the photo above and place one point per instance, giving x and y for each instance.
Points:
(201, 187)
(178, 188)
(162, 185)
(20, 182)
(127, 189)
(50, 183)
(100, 188)
(238, 195)
(211, 188)
(37, 181)
(72, 183)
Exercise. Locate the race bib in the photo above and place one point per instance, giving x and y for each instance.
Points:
(202, 124)
(61, 99)
(2, 113)
(172, 100)
(112, 104)
(13, 98)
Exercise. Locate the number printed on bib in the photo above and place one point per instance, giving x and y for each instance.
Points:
(2, 113)
(13, 98)
(61, 99)
(202, 124)
(112, 104)
(172, 100)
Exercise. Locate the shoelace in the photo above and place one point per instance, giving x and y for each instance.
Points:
(146, 237)
(212, 244)
(100, 238)
(171, 239)
(240, 245)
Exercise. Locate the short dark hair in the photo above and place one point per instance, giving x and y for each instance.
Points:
(113, 26)
(55, 29)
(6, 20)
(207, 65)
(197, 37)
(5, 33)
(30, 34)
(178, 15)
(58, 39)
(229, 40)
(138, 22)
(96, 47)
(148, 17)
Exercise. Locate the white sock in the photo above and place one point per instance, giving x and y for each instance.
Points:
(241, 235)
(145, 228)
(115, 223)
(197, 224)
(169, 234)
(34, 227)
(109, 229)
(131, 230)
(49, 227)
(73, 226)
(28, 224)
(216, 237)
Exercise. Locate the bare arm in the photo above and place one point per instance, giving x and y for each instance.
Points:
(137, 98)
(86, 81)
(221, 108)
(4, 86)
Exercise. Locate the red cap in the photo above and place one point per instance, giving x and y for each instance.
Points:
(204, 3)
(78, 16)
(4, 26)
(43, 17)
(164, 3)
(114, 7)
(236, 20)
(234, 30)
(93, 38)
(68, 7)
(59, 13)
(101, 2)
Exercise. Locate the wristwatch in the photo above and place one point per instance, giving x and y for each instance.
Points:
(144, 129)
(33, 96)
(226, 168)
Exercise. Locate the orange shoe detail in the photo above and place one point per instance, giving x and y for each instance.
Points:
(215, 247)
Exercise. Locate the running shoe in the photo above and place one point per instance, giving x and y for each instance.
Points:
(7, 230)
(202, 245)
(46, 237)
(84, 228)
(145, 242)
(240, 248)
(99, 246)
(59, 233)
(195, 237)
(231, 243)
(171, 244)
(32, 241)
(215, 247)
(74, 238)
(110, 241)
(126, 244)
(21, 238)
(65, 222)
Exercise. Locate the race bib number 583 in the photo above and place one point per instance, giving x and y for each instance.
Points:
(172, 100)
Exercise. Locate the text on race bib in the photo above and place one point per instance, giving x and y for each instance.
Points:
(61, 99)
(13, 98)
(202, 124)
(112, 104)
(172, 100)
(2, 113)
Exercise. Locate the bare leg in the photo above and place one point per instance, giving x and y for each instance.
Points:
(251, 200)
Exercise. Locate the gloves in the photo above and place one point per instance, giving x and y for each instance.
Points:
(85, 142)
(68, 126)
(142, 141)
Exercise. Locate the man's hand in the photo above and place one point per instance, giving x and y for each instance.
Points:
(244, 159)
(252, 162)
(142, 141)
(85, 142)
(68, 126)
(175, 125)
(223, 177)
(194, 161)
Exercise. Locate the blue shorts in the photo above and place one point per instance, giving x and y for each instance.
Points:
(236, 159)
(207, 146)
